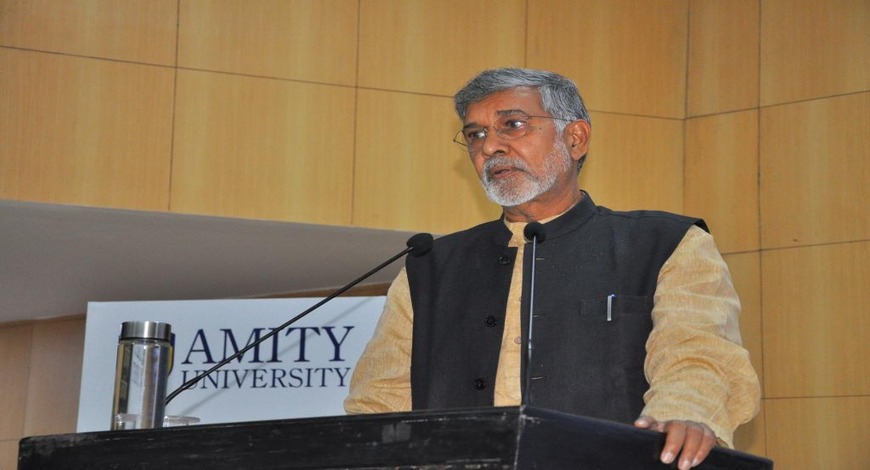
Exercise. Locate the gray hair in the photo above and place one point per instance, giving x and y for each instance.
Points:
(559, 95)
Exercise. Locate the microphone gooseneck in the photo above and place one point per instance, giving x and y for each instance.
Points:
(535, 232)
(418, 245)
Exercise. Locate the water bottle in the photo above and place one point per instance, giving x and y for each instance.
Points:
(141, 372)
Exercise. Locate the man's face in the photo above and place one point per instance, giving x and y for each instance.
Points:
(517, 171)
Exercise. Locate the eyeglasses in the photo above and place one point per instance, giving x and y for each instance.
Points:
(509, 127)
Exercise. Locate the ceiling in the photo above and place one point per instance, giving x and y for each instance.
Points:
(56, 258)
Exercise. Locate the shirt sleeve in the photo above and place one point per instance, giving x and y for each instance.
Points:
(381, 381)
(695, 364)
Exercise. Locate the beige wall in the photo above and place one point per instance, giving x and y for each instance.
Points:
(753, 114)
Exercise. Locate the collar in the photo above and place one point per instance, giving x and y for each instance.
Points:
(557, 225)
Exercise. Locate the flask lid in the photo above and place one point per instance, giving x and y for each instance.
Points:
(146, 330)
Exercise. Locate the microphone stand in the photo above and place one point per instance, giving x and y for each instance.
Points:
(422, 243)
(534, 231)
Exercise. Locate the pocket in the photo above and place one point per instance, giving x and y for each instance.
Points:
(621, 308)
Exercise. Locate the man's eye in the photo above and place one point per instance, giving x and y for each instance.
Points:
(474, 134)
(514, 124)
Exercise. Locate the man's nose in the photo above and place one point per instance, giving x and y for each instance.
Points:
(493, 144)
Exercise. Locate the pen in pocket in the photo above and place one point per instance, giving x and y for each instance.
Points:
(610, 306)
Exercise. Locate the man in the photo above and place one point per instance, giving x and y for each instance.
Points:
(635, 316)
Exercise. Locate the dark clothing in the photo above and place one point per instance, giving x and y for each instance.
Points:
(582, 363)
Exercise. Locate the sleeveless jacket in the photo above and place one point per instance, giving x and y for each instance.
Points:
(582, 362)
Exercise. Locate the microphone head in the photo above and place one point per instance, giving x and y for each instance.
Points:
(420, 244)
(535, 230)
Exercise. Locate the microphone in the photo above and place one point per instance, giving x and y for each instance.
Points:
(418, 245)
(535, 232)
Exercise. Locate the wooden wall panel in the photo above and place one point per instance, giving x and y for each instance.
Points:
(627, 56)
(817, 433)
(15, 365)
(815, 172)
(435, 46)
(55, 377)
(262, 148)
(635, 163)
(113, 29)
(722, 177)
(296, 39)
(84, 131)
(723, 56)
(9, 454)
(409, 174)
(815, 320)
(812, 49)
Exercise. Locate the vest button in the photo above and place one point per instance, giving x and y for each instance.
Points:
(490, 321)
(504, 259)
(479, 384)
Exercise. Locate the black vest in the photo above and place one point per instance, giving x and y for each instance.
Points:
(582, 363)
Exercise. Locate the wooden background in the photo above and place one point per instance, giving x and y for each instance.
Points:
(754, 114)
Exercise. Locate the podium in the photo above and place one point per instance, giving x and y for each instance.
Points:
(487, 438)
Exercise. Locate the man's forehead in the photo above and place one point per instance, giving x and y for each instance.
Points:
(505, 102)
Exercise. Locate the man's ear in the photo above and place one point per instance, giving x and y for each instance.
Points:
(577, 135)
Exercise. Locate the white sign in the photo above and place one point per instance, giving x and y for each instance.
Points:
(303, 371)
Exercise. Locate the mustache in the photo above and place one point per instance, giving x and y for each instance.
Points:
(493, 162)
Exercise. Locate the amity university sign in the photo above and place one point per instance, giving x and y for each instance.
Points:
(303, 371)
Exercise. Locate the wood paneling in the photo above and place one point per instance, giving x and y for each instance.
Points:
(409, 174)
(262, 148)
(9, 454)
(723, 56)
(815, 320)
(815, 172)
(812, 49)
(84, 131)
(14, 367)
(113, 29)
(627, 56)
(635, 163)
(722, 177)
(295, 39)
(435, 46)
(817, 433)
(55, 377)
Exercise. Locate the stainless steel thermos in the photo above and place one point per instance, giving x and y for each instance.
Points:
(143, 364)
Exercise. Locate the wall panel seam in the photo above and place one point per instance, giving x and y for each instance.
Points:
(174, 106)
(817, 98)
(354, 156)
(82, 56)
(812, 245)
(264, 77)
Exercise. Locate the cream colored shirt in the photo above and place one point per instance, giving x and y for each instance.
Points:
(695, 364)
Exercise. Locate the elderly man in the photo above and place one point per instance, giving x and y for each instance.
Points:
(635, 315)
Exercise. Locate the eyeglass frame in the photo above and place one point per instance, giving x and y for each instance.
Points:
(461, 141)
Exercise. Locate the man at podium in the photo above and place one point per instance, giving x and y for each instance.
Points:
(633, 314)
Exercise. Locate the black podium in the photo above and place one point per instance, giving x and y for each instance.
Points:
(502, 438)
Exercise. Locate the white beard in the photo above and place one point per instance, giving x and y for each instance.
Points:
(524, 186)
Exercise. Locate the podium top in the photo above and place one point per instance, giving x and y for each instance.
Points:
(503, 438)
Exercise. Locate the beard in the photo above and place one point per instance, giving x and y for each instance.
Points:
(523, 186)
